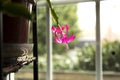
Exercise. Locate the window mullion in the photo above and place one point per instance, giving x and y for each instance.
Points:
(99, 74)
(49, 44)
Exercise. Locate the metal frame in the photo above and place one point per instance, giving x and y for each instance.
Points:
(35, 42)
(10, 76)
(49, 44)
(99, 73)
(1, 44)
(62, 2)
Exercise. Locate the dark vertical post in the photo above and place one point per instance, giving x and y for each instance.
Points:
(35, 48)
(1, 45)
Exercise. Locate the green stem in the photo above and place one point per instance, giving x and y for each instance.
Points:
(54, 15)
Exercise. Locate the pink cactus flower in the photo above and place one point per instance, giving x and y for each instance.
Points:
(61, 35)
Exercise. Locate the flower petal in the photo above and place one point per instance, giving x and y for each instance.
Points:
(58, 30)
(67, 27)
(61, 34)
(71, 38)
(58, 40)
(53, 29)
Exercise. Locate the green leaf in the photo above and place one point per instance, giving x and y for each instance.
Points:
(54, 15)
(16, 9)
(1, 3)
(49, 3)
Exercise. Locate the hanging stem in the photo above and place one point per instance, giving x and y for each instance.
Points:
(54, 15)
(67, 47)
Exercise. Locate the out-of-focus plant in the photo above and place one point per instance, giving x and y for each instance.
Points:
(14, 9)
(111, 56)
(61, 32)
(61, 35)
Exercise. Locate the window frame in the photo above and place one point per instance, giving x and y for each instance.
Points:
(98, 59)
(99, 73)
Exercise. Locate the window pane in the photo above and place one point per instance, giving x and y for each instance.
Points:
(110, 17)
(79, 61)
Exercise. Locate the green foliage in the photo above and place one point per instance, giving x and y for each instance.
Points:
(14, 9)
(41, 30)
(60, 62)
(87, 57)
(67, 14)
(84, 58)
(111, 56)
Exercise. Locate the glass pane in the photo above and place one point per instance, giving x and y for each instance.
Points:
(110, 17)
(79, 61)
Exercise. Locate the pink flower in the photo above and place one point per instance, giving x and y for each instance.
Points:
(61, 35)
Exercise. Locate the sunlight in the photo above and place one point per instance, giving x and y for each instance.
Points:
(110, 17)
(86, 20)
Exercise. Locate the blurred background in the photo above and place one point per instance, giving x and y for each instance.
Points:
(79, 61)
